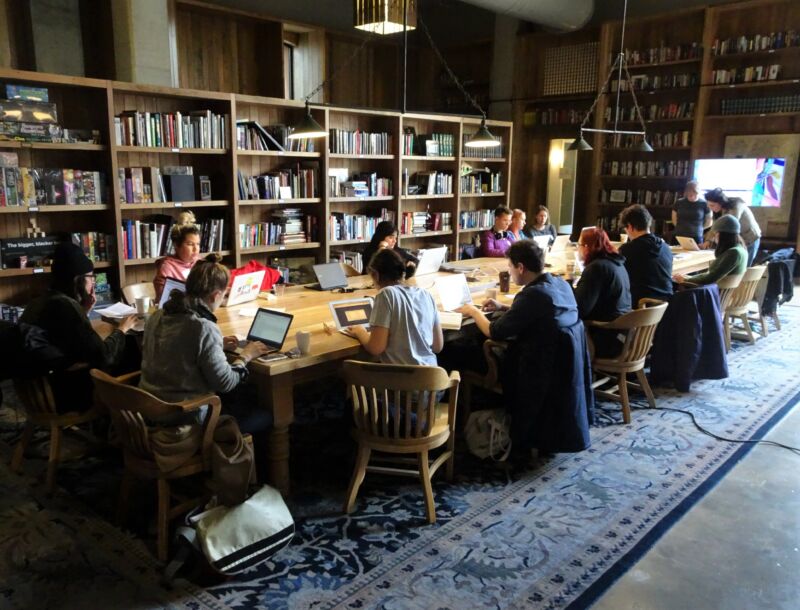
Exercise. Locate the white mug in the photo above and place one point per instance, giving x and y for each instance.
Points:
(303, 340)
(142, 305)
(491, 293)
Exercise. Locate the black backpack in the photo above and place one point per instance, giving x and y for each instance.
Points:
(25, 351)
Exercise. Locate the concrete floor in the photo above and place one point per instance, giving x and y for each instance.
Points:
(738, 548)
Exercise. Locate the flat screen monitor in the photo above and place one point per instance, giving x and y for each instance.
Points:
(758, 180)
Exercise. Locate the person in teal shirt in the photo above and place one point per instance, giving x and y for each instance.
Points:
(730, 254)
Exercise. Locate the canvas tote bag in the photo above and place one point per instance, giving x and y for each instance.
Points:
(487, 434)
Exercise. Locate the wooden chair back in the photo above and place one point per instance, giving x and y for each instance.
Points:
(639, 326)
(142, 289)
(745, 291)
(36, 395)
(727, 286)
(398, 401)
(349, 270)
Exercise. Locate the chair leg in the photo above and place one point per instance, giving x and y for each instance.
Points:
(762, 319)
(466, 393)
(748, 329)
(777, 320)
(55, 454)
(451, 447)
(124, 496)
(162, 523)
(651, 400)
(623, 398)
(427, 489)
(726, 328)
(359, 470)
(22, 445)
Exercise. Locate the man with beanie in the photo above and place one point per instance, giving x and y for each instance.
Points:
(730, 254)
(63, 315)
(648, 258)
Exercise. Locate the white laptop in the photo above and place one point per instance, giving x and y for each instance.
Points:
(543, 241)
(687, 243)
(560, 244)
(430, 260)
(453, 291)
(169, 286)
(245, 288)
(351, 312)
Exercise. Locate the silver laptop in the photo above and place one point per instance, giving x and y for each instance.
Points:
(687, 243)
(560, 243)
(244, 288)
(270, 327)
(430, 260)
(543, 241)
(329, 276)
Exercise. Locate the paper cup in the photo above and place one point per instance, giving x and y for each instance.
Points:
(303, 340)
(142, 305)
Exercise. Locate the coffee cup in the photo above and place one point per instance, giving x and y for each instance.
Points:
(491, 293)
(570, 268)
(303, 340)
(505, 281)
(142, 305)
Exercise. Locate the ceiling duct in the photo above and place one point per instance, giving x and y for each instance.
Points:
(555, 14)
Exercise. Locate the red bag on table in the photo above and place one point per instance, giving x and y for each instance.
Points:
(271, 276)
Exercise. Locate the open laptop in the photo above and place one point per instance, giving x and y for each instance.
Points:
(351, 312)
(687, 243)
(329, 276)
(560, 244)
(543, 241)
(270, 327)
(453, 291)
(244, 288)
(169, 286)
(430, 260)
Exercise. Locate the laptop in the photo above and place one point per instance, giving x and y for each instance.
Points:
(430, 260)
(543, 241)
(560, 244)
(453, 291)
(169, 286)
(687, 243)
(351, 312)
(270, 327)
(244, 288)
(329, 276)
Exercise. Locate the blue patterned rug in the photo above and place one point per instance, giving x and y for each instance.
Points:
(553, 537)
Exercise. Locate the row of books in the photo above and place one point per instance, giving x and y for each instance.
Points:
(746, 74)
(433, 145)
(275, 232)
(151, 239)
(366, 186)
(147, 185)
(287, 183)
(476, 219)
(757, 42)
(646, 168)
(482, 182)
(10, 313)
(657, 82)
(661, 54)
(198, 129)
(96, 245)
(342, 141)
(653, 112)
(489, 152)
(656, 139)
(251, 135)
(343, 226)
(555, 116)
(432, 183)
(657, 198)
(354, 258)
(36, 186)
(761, 105)
(422, 222)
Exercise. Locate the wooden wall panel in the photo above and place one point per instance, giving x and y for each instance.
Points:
(370, 80)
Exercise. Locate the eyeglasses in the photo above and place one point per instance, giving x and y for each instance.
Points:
(90, 276)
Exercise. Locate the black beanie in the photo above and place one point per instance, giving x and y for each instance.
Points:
(69, 261)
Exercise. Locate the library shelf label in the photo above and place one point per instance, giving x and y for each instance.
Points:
(33, 209)
(178, 204)
(38, 269)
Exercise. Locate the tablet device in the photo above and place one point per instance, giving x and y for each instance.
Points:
(453, 291)
(244, 288)
(351, 312)
(430, 260)
(169, 286)
(687, 243)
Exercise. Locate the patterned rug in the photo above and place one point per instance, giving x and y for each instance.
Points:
(552, 537)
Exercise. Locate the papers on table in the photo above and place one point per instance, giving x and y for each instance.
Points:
(118, 310)
(450, 320)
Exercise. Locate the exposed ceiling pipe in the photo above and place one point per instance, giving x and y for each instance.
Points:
(556, 14)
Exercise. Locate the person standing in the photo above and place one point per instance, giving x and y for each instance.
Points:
(541, 225)
(497, 240)
(736, 207)
(691, 214)
(648, 258)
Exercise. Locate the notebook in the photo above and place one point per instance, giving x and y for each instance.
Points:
(329, 276)
(453, 291)
(169, 286)
(270, 327)
(687, 243)
(351, 312)
(245, 287)
(430, 260)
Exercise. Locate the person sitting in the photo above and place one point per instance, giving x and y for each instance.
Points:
(385, 236)
(183, 354)
(730, 256)
(62, 313)
(517, 226)
(185, 238)
(750, 232)
(648, 258)
(691, 214)
(603, 292)
(545, 374)
(495, 241)
(541, 226)
(404, 325)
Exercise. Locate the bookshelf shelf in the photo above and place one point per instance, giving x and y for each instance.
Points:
(668, 90)
(38, 270)
(426, 158)
(756, 84)
(760, 115)
(500, 194)
(610, 177)
(445, 196)
(346, 156)
(21, 209)
(281, 247)
(785, 51)
(171, 151)
(663, 64)
(348, 242)
(425, 234)
(353, 199)
(655, 149)
(133, 262)
(76, 146)
(610, 124)
(257, 202)
(278, 153)
(174, 204)
(474, 229)
(500, 159)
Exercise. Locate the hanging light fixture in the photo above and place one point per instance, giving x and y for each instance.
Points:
(385, 16)
(620, 65)
(482, 138)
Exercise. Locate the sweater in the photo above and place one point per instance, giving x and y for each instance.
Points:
(173, 267)
(603, 292)
(496, 243)
(548, 230)
(731, 262)
(648, 261)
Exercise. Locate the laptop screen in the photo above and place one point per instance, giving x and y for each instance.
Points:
(453, 291)
(430, 260)
(169, 286)
(270, 327)
(351, 312)
(330, 275)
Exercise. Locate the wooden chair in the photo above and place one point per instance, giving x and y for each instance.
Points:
(395, 412)
(142, 289)
(727, 286)
(36, 395)
(638, 326)
(490, 381)
(759, 315)
(349, 270)
(130, 409)
(737, 306)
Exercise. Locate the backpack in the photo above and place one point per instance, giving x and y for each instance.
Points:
(25, 351)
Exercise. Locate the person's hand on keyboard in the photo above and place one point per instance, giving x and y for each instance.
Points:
(253, 350)
(230, 343)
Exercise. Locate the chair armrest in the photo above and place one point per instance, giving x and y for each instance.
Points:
(648, 302)
(193, 404)
(455, 378)
(128, 377)
(595, 323)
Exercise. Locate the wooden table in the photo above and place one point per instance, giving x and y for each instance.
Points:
(310, 308)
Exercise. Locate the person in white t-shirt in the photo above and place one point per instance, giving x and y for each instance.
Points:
(404, 325)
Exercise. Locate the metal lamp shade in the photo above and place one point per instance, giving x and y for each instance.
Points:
(482, 138)
(384, 16)
(580, 144)
(308, 128)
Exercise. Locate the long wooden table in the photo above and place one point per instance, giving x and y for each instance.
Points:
(276, 380)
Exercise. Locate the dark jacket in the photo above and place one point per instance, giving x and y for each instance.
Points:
(550, 230)
(648, 261)
(546, 374)
(370, 251)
